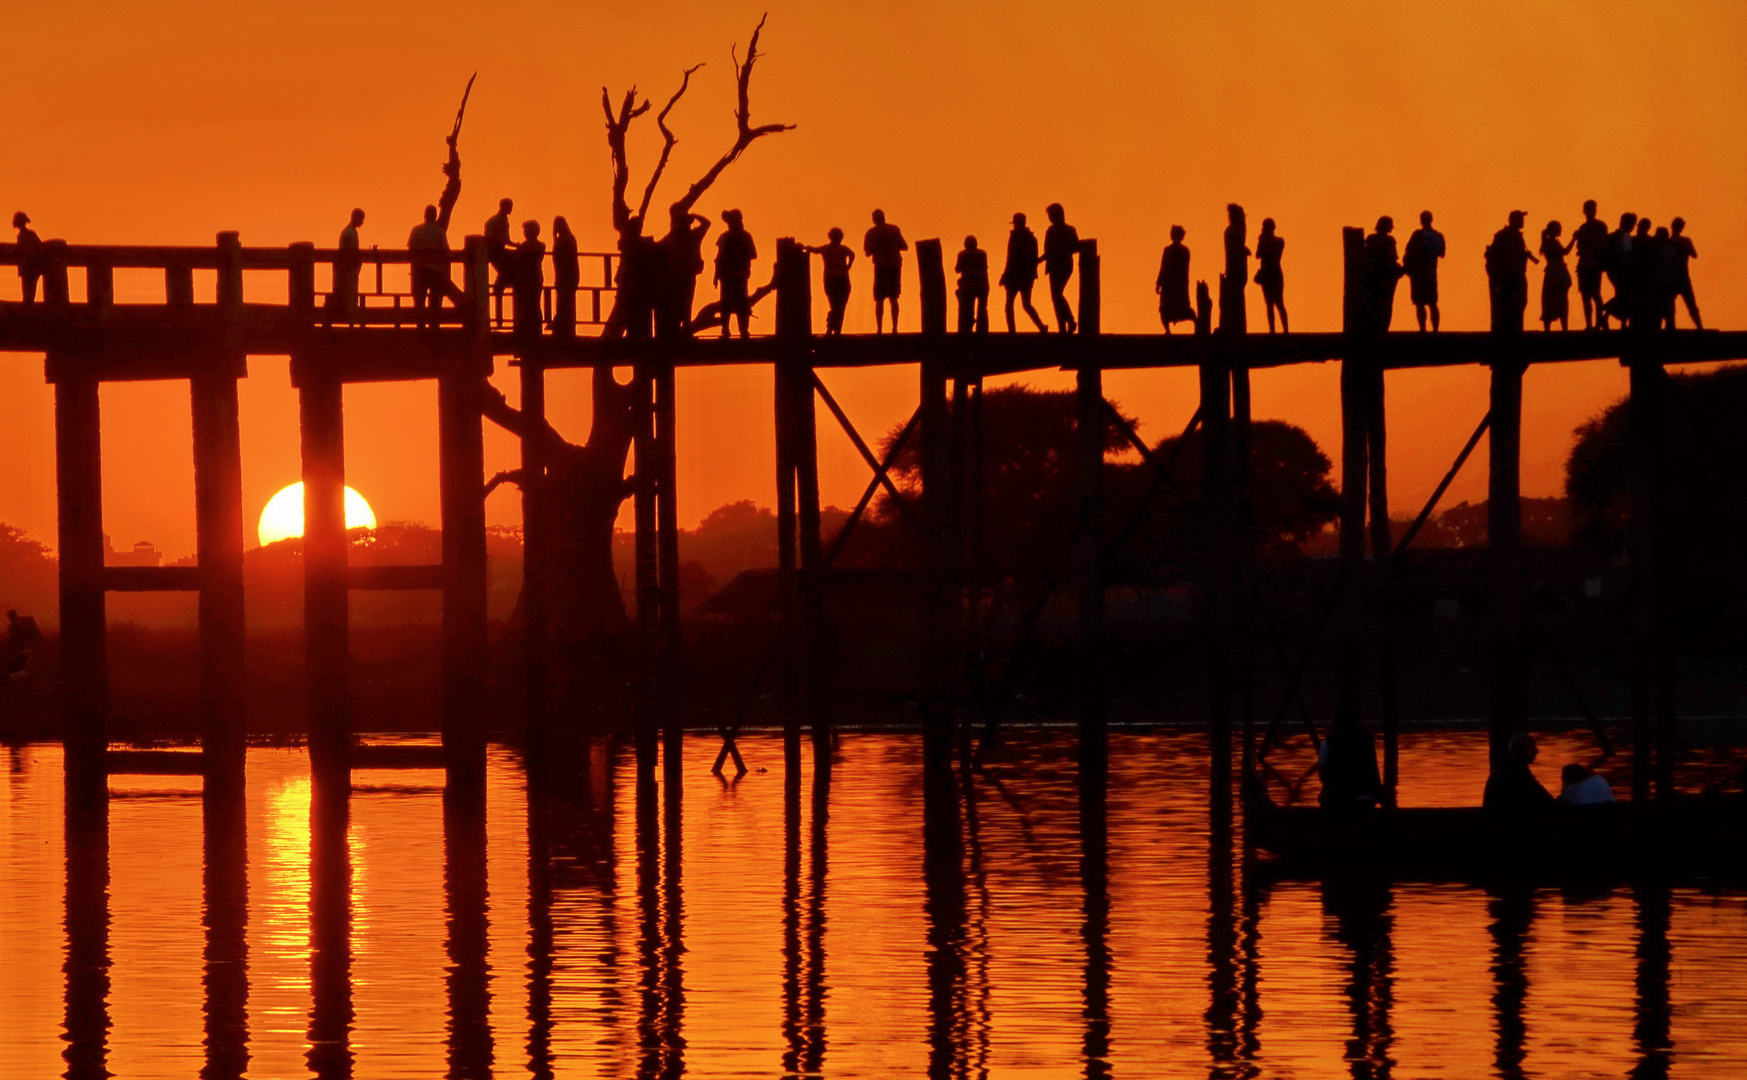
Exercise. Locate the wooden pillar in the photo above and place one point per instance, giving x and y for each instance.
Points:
(647, 579)
(1355, 477)
(79, 501)
(1382, 544)
(1243, 562)
(1509, 690)
(1217, 571)
(534, 557)
(788, 563)
(461, 465)
(55, 292)
(476, 278)
(1652, 664)
(300, 284)
(99, 289)
(220, 539)
(326, 605)
(667, 567)
(179, 286)
(935, 437)
(1091, 301)
(230, 275)
(795, 328)
(1088, 571)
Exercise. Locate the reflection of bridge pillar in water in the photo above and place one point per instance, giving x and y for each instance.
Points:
(1362, 922)
(1512, 911)
(944, 905)
(87, 960)
(226, 916)
(330, 936)
(465, 890)
(1095, 927)
(1652, 1011)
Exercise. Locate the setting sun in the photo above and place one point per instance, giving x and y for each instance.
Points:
(283, 517)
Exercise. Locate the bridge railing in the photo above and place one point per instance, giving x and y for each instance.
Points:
(383, 298)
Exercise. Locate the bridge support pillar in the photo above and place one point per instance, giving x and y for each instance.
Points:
(939, 643)
(798, 491)
(534, 559)
(461, 464)
(1652, 661)
(218, 508)
(326, 605)
(1088, 568)
(1509, 685)
(79, 501)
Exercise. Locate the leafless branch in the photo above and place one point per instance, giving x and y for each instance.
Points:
(746, 132)
(668, 139)
(617, 126)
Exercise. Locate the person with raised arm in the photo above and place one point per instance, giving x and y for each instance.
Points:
(429, 245)
(1555, 278)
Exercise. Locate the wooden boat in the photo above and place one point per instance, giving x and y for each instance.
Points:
(1705, 838)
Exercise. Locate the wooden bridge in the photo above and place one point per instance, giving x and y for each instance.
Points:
(265, 301)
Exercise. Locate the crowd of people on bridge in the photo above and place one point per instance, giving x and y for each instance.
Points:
(1648, 269)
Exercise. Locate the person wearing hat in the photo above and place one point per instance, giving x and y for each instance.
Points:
(1507, 273)
(1020, 272)
(29, 255)
(734, 254)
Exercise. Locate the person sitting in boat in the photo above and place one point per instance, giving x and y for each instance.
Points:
(1512, 787)
(1583, 786)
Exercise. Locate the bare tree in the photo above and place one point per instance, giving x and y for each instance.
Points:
(585, 484)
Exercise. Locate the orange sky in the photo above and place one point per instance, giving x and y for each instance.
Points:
(165, 123)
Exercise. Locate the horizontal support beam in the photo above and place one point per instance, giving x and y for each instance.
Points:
(155, 762)
(395, 577)
(151, 578)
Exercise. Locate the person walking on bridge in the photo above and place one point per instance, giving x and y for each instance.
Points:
(1382, 274)
(972, 268)
(885, 245)
(1269, 248)
(734, 254)
(1590, 240)
(1061, 242)
(835, 258)
(429, 245)
(1419, 261)
(1682, 258)
(343, 299)
(29, 256)
(1019, 275)
(1173, 283)
(500, 252)
(1507, 275)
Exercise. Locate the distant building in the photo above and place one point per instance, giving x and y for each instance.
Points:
(143, 554)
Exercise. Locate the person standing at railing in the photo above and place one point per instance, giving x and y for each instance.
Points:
(343, 300)
(1507, 273)
(499, 251)
(684, 248)
(1061, 242)
(835, 258)
(734, 254)
(1173, 282)
(972, 268)
(884, 245)
(566, 276)
(29, 255)
(1420, 263)
(429, 245)
(528, 275)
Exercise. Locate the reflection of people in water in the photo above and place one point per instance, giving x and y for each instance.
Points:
(1555, 278)
(1419, 261)
(836, 259)
(566, 276)
(1684, 253)
(1507, 274)
(1269, 248)
(1061, 242)
(1590, 239)
(1173, 283)
(1020, 273)
(972, 268)
(29, 255)
(1512, 788)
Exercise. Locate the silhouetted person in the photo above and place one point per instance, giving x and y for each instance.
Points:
(1616, 264)
(972, 267)
(734, 254)
(1512, 788)
(1684, 252)
(1590, 240)
(528, 274)
(1645, 312)
(1061, 242)
(683, 247)
(1173, 283)
(29, 256)
(885, 245)
(1555, 278)
(1020, 273)
(22, 633)
(641, 272)
(343, 300)
(1419, 261)
(566, 276)
(1232, 306)
(500, 251)
(429, 244)
(1507, 275)
(836, 258)
(1666, 266)
(1580, 785)
(1382, 274)
(1269, 248)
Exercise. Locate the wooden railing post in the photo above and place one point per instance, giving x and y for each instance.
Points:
(301, 279)
(795, 365)
(477, 285)
(99, 289)
(1091, 301)
(54, 275)
(931, 276)
(936, 439)
(179, 285)
(218, 509)
(230, 274)
(79, 500)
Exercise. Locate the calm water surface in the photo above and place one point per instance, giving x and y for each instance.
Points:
(833, 934)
